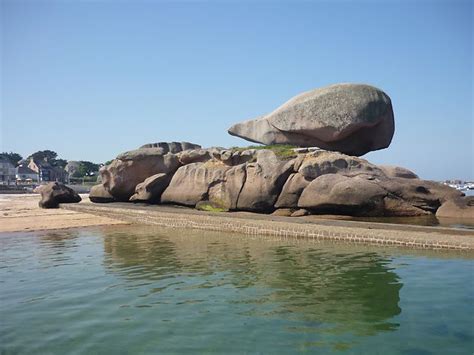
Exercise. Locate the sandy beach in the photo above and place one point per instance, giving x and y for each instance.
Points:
(21, 213)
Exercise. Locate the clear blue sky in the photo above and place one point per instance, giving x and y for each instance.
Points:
(90, 79)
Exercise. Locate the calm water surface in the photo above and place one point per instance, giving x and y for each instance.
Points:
(124, 290)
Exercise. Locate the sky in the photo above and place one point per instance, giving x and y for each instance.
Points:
(91, 79)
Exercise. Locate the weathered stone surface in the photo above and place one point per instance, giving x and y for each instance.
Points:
(422, 194)
(324, 162)
(194, 156)
(190, 184)
(172, 147)
(350, 118)
(225, 193)
(54, 193)
(338, 194)
(396, 207)
(264, 181)
(291, 191)
(151, 189)
(131, 168)
(99, 194)
(397, 172)
(461, 207)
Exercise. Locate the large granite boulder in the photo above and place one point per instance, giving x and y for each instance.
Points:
(350, 118)
(291, 191)
(339, 194)
(190, 184)
(264, 180)
(460, 207)
(151, 189)
(54, 193)
(422, 194)
(324, 162)
(99, 194)
(131, 168)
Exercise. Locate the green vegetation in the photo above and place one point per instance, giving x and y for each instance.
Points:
(86, 169)
(14, 158)
(209, 207)
(50, 156)
(282, 151)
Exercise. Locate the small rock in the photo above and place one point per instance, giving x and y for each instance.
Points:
(99, 194)
(54, 193)
(300, 213)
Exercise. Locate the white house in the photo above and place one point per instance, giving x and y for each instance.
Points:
(25, 174)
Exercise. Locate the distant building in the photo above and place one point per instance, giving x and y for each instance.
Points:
(47, 172)
(7, 172)
(26, 175)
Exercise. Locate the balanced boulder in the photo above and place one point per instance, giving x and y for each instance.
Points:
(350, 118)
(54, 193)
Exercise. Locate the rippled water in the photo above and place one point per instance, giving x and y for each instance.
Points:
(132, 289)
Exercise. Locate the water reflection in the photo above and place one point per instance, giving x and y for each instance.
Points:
(323, 289)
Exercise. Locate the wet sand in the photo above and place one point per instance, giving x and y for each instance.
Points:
(20, 212)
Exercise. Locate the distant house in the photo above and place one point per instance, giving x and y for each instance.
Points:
(26, 175)
(7, 172)
(47, 172)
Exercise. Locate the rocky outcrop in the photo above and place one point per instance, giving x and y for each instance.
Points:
(397, 172)
(460, 207)
(291, 191)
(99, 194)
(339, 194)
(323, 162)
(292, 183)
(172, 147)
(131, 168)
(422, 194)
(54, 193)
(264, 181)
(350, 118)
(151, 189)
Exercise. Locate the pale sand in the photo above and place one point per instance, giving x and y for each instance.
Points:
(21, 213)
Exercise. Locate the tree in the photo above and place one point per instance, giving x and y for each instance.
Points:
(14, 158)
(42, 154)
(86, 168)
(61, 163)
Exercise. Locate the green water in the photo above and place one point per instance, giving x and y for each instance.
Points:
(139, 290)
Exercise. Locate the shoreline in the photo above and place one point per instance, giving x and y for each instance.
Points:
(20, 213)
(247, 223)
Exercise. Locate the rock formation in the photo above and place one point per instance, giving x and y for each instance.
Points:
(54, 193)
(292, 182)
(350, 118)
(99, 194)
(343, 120)
(461, 207)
